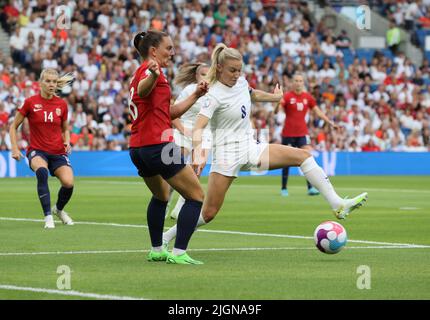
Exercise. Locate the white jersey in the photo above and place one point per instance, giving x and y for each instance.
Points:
(228, 109)
(189, 118)
(234, 148)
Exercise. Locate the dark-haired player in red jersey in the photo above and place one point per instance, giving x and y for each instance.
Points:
(158, 159)
(295, 133)
(49, 143)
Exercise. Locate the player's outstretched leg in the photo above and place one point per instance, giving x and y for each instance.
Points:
(278, 156)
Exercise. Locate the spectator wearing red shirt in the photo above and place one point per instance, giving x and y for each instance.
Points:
(295, 133)
(47, 151)
(370, 146)
(152, 150)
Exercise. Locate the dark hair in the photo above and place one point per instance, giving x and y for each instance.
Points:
(144, 40)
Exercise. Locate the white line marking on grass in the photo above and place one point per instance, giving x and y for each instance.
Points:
(224, 232)
(409, 208)
(259, 185)
(199, 250)
(71, 293)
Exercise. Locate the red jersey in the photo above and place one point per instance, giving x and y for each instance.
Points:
(45, 117)
(151, 115)
(296, 107)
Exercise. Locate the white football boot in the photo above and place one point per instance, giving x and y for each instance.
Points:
(63, 216)
(49, 222)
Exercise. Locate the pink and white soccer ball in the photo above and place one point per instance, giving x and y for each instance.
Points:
(330, 237)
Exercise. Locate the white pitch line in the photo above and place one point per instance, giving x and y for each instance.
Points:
(198, 250)
(224, 232)
(71, 293)
(258, 185)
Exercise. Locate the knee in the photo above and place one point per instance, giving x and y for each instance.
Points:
(304, 154)
(209, 213)
(67, 184)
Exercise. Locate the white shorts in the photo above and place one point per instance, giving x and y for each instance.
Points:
(230, 160)
(187, 142)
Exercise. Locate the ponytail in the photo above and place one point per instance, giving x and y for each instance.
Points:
(188, 74)
(63, 83)
(219, 55)
(144, 40)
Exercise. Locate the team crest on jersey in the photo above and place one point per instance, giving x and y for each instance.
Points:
(292, 100)
(58, 111)
(32, 154)
(305, 101)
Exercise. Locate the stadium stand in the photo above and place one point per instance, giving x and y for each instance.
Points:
(379, 97)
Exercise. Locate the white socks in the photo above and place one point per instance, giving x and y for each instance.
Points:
(170, 234)
(317, 177)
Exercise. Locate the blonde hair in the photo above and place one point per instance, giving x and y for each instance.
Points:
(219, 55)
(188, 73)
(62, 82)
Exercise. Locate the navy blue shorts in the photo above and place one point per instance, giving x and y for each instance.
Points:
(54, 161)
(165, 159)
(296, 142)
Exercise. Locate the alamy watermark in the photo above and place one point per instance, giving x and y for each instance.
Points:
(63, 17)
(64, 281)
(365, 278)
(363, 17)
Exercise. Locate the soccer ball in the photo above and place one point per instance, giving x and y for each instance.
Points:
(330, 237)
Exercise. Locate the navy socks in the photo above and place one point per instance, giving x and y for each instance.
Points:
(187, 221)
(63, 197)
(43, 190)
(155, 216)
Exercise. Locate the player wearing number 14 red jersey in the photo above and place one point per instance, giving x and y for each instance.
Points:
(49, 143)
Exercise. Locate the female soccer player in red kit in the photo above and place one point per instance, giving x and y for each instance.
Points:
(158, 159)
(296, 104)
(49, 143)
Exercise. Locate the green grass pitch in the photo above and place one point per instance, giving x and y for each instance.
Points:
(249, 250)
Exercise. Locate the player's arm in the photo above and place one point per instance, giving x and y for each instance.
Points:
(177, 124)
(66, 136)
(146, 85)
(198, 155)
(280, 103)
(262, 96)
(323, 116)
(19, 118)
(178, 109)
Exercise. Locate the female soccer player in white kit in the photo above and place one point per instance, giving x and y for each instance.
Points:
(189, 75)
(228, 108)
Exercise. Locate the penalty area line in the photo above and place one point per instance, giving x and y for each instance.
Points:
(200, 250)
(70, 293)
(377, 243)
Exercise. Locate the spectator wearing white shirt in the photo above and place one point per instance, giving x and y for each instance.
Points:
(326, 71)
(289, 48)
(294, 34)
(80, 58)
(328, 47)
(91, 70)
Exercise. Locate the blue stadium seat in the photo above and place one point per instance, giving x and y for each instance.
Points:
(366, 54)
(427, 55)
(319, 59)
(421, 35)
(387, 53)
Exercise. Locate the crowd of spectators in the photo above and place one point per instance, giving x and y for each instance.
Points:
(382, 103)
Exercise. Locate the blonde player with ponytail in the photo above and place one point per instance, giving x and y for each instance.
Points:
(228, 107)
(49, 142)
